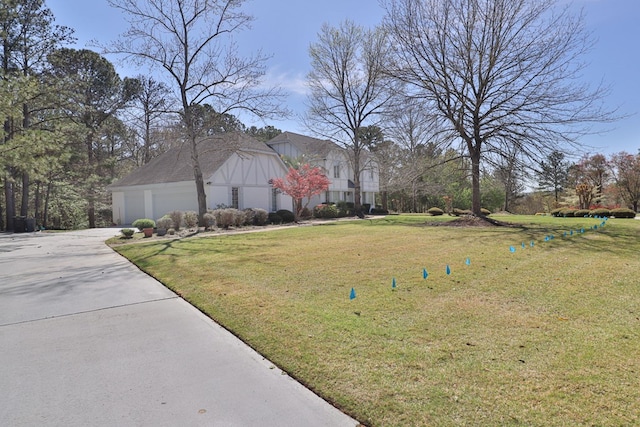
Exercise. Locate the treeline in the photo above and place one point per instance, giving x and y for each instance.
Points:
(72, 125)
(414, 179)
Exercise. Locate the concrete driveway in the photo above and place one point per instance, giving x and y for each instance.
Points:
(86, 339)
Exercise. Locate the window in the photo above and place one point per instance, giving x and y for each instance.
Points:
(336, 171)
(234, 197)
(274, 199)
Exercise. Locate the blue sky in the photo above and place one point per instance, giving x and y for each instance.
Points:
(285, 28)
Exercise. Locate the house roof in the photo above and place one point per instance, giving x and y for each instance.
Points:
(309, 146)
(175, 164)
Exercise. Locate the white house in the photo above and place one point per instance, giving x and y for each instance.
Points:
(236, 170)
(336, 164)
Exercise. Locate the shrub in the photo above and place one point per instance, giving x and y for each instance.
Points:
(190, 219)
(176, 217)
(274, 218)
(249, 216)
(287, 216)
(435, 211)
(485, 212)
(143, 223)
(623, 213)
(600, 212)
(171, 231)
(165, 222)
(209, 220)
(225, 218)
(127, 232)
(556, 211)
(260, 216)
(306, 213)
(458, 212)
(379, 211)
(239, 217)
(343, 208)
(567, 212)
(581, 213)
(325, 211)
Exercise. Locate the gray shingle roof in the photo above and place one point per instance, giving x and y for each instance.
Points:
(175, 164)
(312, 147)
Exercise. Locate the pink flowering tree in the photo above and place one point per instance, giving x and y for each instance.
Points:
(302, 184)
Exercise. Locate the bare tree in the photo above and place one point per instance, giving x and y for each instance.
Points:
(349, 89)
(625, 170)
(152, 103)
(496, 71)
(190, 40)
(415, 131)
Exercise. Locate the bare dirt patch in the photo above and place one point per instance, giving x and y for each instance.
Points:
(470, 221)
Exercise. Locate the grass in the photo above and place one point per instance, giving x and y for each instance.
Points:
(547, 335)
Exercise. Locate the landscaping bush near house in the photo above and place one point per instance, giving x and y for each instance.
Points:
(260, 216)
(209, 220)
(581, 213)
(306, 213)
(249, 216)
(435, 211)
(600, 212)
(239, 217)
(325, 211)
(379, 211)
(190, 219)
(127, 232)
(485, 212)
(623, 213)
(287, 216)
(176, 217)
(143, 223)
(343, 208)
(165, 222)
(225, 218)
(274, 218)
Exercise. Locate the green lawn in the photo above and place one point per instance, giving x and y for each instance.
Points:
(546, 335)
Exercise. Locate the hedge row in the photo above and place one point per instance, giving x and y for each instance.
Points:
(599, 212)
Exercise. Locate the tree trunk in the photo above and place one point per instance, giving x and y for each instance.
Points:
(475, 182)
(10, 202)
(24, 206)
(197, 175)
(384, 199)
(45, 212)
(356, 178)
(37, 198)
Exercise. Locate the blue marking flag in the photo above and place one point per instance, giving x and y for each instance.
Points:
(531, 244)
(546, 238)
(448, 270)
(512, 249)
(424, 273)
(352, 295)
(571, 233)
(393, 283)
(468, 261)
